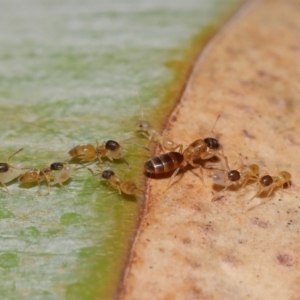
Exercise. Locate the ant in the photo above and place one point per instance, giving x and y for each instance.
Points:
(62, 172)
(110, 149)
(170, 161)
(10, 172)
(234, 177)
(127, 187)
(154, 136)
(267, 184)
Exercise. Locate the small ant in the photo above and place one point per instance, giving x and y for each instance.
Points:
(170, 161)
(10, 172)
(153, 136)
(127, 187)
(62, 172)
(267, 184)
(110, 149)
(235, 178)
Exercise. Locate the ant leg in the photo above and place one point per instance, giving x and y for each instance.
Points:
(126, 162)
(261, 189)
(83, 166)
(172, 177)
(223, 158)
(99, 159)
(270, 192)
(200, 169)
(5, 187)
(216, 196)
(149, 137)
(48, 185)
(119, 189)
(93, 172)
(180, 148)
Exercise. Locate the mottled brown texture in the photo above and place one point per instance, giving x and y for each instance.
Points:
(188, 247)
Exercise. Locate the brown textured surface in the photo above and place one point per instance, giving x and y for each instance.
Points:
(191, 248)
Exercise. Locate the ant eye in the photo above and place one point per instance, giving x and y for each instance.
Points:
(112, 145)
(3, 167)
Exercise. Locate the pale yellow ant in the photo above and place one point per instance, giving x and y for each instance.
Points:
(146, 129)
(9, 172)
(234, 177)
(267, 184)
(127, 187)
(154, 136)
(58, 172)
(87, 152)
(174, 161)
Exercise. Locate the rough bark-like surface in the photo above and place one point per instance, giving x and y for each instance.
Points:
(189, 247)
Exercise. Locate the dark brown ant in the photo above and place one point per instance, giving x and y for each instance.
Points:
(170, 161)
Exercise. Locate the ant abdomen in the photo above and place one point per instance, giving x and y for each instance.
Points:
(163, 163)
(30, 176)
(128, 187)
(85, 152)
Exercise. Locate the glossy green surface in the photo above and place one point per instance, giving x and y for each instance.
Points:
(69, 74)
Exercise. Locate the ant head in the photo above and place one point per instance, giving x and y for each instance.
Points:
(212, 143)
(56, 166)
(4, 167)
(112, 145)
(144, 125)
(107, 174)
(266, 180)
(234, 175)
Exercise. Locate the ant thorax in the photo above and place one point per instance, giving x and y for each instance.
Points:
(194, 150)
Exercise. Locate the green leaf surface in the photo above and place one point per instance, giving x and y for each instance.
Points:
(69, 74)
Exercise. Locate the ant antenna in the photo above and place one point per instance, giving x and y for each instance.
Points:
(139, 102)
(15, 153)
(212, 131)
